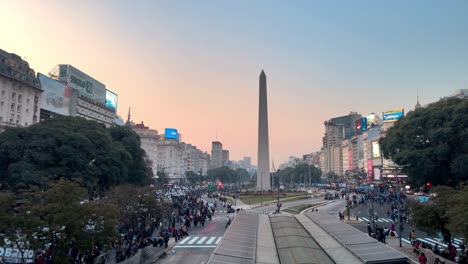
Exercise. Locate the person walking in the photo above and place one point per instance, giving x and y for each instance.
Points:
(422, 259)
(369, 229)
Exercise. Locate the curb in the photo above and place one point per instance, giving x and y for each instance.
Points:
(315, 206)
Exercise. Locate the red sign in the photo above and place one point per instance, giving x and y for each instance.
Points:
(350, 160)
(370, 170)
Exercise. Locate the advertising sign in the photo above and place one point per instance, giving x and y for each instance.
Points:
(364, 124)
(376, 173)
(13, 255)
(375, 149)
(371, 120)
(393, 115)
(56, 96)
(111, 99)
(369, 167)
(350, 160)
(82, 82)
(171, 133)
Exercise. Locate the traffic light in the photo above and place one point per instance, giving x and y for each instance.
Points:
(220, 185)
(428, 184)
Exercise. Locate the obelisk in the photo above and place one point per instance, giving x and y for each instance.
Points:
(263, 161)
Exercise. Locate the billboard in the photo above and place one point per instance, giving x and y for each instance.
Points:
(375, 149)
(111, 99)
(361, 124)
(393, 115)
(371, 120)
(171, 133)
(56, 97)
(370, 170)
(82, 82)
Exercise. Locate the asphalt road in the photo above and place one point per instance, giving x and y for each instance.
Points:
(201, 242)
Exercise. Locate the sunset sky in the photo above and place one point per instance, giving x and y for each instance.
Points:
(194, 65)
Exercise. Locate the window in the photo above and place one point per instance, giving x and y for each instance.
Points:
(18, 109)
(2, 103)
(13, 96)
(20, 97)
(13, 107)
(27, 110)
(11, 120)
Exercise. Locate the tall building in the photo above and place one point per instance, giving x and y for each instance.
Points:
(72, 92)
(336, 130)
(171, 158)
(263, 171)
(20, 92)
(225, 157)
(216, 154)
(149, 143)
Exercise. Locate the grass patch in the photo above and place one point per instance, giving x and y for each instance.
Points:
(297, 209)
(269, 197)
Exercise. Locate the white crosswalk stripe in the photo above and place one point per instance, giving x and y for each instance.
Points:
(365, 219)
(199, 242)
(210, 240)
(433, 242)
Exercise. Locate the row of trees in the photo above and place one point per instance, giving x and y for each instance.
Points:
(69, 183)
(71, 148)
(430, 144)
(223, 174)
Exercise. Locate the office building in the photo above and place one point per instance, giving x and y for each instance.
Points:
(216, 154)
(20, 92)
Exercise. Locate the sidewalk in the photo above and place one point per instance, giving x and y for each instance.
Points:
(405, 248)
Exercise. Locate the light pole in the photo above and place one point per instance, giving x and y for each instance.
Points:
(309, 176)
(277, 195)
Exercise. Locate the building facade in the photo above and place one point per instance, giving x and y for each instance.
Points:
(149, 143)
(20, 92)
(225, 157)
(216, 155)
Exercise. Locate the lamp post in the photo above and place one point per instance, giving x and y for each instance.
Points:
(277, 195)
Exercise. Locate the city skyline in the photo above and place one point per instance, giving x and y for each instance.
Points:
(169, 61)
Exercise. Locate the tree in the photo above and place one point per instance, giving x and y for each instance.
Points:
(435, 216)
(431, 143)
(193, 177)
(243, 174)
(59, 216)
(71, 148)
(333, 177)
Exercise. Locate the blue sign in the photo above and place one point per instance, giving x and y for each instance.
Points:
(392, 116)
(171, 133)
(364, 124)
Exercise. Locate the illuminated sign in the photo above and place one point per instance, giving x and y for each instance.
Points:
(371, 120)
(171, 133)
(364, 124)
(111, 99)
(375, 149)
(56, 96)
(392, 115)
(369, 167)
(358, 125)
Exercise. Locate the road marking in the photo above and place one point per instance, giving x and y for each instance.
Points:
(184, 240)
(219, 239)
(196, 246)
(201, 240)
(365, 219)
(406, 240)
(386, 220)
(210, 240)
(193, 240)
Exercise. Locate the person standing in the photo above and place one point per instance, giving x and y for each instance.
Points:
(369, 229)
(422, 259)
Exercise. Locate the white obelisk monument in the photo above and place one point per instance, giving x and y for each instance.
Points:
(263, 161)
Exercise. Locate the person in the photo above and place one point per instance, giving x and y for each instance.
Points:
(340, 215)
(369, 229)
(422, 258)
(436, 249)
(228, 222)
(412, 236)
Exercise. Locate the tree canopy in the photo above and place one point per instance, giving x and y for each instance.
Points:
(71, 148)
(435, 216)
(431, 143)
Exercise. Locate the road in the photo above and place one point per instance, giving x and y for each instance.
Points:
(201, 242)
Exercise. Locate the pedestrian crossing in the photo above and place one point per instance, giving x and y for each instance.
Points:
(433, 241)
(199, 242)
(381, 220)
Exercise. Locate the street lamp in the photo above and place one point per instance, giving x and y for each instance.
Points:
(277, 195)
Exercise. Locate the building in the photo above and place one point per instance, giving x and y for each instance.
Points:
(246, 163)
(149, 143)
(171, 158)
(336, 130)
(81, 95)
(461, 93)
(194, 159)
(225, 157)
(20, 92)
(216, 155)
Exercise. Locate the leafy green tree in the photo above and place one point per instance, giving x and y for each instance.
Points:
(243, 174)
(223, 174)
(60, 215)
(71, 148)
(446, 212)
(333, 177)
(193, 178)
(431, 143)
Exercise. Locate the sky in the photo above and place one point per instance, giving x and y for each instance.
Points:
(194, 65)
